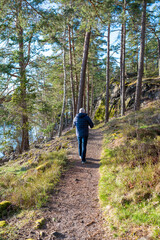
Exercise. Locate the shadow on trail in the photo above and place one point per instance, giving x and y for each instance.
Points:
(91, 163)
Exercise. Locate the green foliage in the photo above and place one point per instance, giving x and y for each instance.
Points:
(130, 169)
(100, 113)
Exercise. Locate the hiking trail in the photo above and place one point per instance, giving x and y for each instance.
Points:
(73, 212)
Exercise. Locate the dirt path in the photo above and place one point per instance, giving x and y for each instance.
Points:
(73, 212)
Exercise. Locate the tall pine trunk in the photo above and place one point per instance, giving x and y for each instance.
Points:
(75, 69)
(83, 70)
(23, 83)
(91, 107)
(88, 89)
(64, 89)
(71, 72)
(107, 76)
(158, 55)
(141, 58)
(122, 62)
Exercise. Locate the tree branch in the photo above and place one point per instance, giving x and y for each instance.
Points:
(96, 11)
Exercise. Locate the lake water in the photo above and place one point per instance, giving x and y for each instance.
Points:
(32, 136)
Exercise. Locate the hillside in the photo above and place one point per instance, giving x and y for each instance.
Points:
(129, 186)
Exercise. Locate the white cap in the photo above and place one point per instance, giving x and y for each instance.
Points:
(81, 110)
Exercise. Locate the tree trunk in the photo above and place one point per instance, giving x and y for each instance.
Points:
(107, 76)
(141, 59)
(76, 75)
(122, 62)
(84, 97)
(88, 90)
(83, 70)
(23, 82)
(71, 72)
(158, 55)
(64, 90)
(91, 107)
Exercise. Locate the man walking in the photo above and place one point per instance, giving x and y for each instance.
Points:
(82, 121)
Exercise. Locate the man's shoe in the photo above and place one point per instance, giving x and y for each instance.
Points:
(83, 162)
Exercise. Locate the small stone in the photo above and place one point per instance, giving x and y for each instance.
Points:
(142, 238)
(40, 223)
(58, 235)
(3, 223)
(42, 234)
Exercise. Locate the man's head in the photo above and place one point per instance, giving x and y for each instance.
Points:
(81, 110)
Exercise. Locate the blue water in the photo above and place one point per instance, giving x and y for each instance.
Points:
(9, 141)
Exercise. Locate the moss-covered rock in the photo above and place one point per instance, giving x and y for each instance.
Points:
(40, 223)
(4, 205)
(3, 224)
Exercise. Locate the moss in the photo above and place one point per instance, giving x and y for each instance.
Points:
(44, 166)
(3, 224)
(4, 205)
(65, 145)
(100, 113)
(40, 223)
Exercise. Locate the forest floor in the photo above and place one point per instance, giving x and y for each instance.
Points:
(73, 211)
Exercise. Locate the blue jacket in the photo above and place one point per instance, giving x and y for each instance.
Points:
(82, 121)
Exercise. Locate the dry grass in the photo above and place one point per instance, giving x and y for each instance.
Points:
(130, 171)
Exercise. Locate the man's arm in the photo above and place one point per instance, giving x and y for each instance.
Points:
(90, 122)
(74, 122)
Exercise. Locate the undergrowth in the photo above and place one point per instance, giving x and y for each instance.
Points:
(28, 185)
(129, 187)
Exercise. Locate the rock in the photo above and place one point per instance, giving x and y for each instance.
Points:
(157, 189)
(3, 223)
(142, 238)
(126, 200)
(57, 235)
(12, 157)
(4, 205)
(38, 146)
(42, 234)
(40, 223)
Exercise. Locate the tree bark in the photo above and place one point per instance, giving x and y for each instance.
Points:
(107, 76)
(122, 62)
(23, 82)
(83, 70)
(141, 59)
(91, 107)
(88, 89)
(158, 55)
(84, 97)
(64, 89)
(75, 68)
(71, 72)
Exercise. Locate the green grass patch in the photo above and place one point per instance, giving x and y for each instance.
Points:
(29, 187)
(129, 187)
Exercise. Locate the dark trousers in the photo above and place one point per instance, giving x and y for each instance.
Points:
(82, 147)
